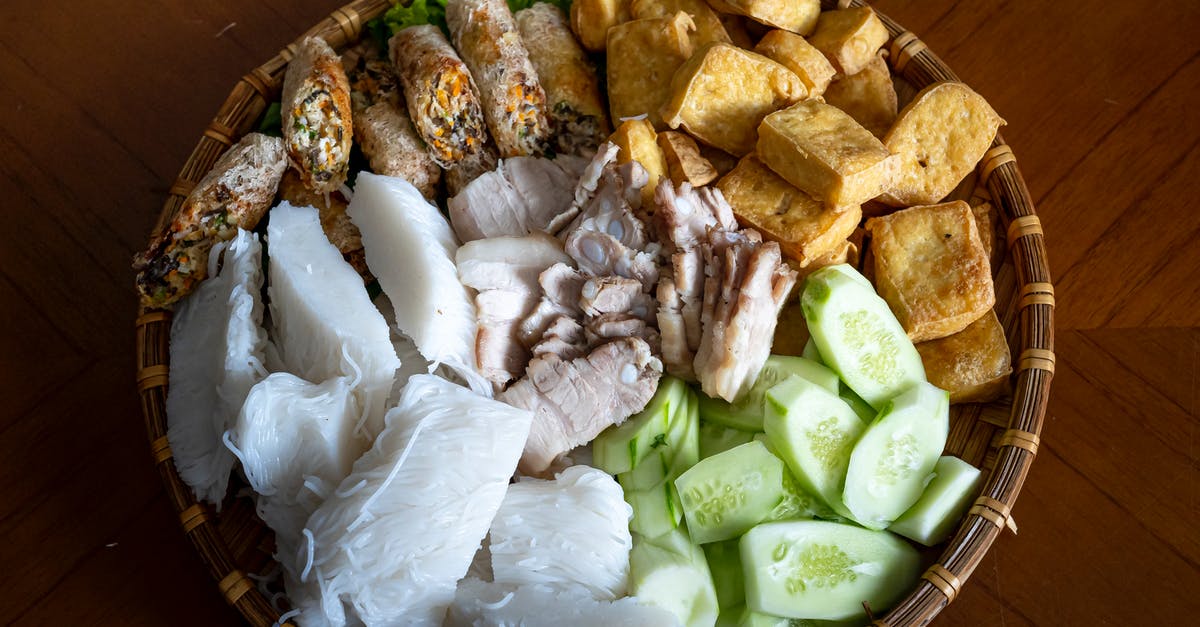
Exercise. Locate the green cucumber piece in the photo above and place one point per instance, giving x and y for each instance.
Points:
(656, 510)
(747, 413)
(715, 438)
(824, 570)
(858, 336)
(813, 431)
(672, 573)
(670, 455)
(811, 353)
(619, 448)
(863, 410)
(728, 493)
(933, 517)
(892, 461)
(726, 569)
(797, 502)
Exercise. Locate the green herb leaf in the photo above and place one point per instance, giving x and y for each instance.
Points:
(517, 5)
(400, 17)
(272, 121)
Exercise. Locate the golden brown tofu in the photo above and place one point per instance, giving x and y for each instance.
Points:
(805, 227)
(973, 365)
(823, 151)
(844, 252)
(721, 160)
(798, 16)
(800, 57)
(987, 222)
(931, 268)
(938, 138)
(637, 141)
(735, 27)
(643, 55)
(849, 37)
(591, 19)
(684, 162)
(722, 93)
(708, 25)
(868, 96)
(791, 331)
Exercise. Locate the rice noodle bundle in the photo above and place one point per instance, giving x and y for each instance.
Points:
(324, 323)
(572, 531)
(410, 248)
(402, 529)
(535, 605)
(296, 442)
(217, 345)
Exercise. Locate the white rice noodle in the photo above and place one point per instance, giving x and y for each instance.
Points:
(479, 604)
(325, 325)
(217, 344)
(296, 443)
(410, 248)
(572, 531)
(392, 548)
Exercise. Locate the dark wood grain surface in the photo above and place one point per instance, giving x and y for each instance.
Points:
(101, 102)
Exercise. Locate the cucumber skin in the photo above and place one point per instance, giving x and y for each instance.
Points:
(933, 517)
(685, 564)
(820, 300)
(895, 565)
(650, 486)
(779, 427)
(621, 447)
(715, 438)
(752, 505)
(742, 415)
(930, 407)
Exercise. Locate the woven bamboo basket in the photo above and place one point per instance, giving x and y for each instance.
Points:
(1000, 437)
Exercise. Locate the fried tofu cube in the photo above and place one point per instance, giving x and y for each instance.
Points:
(722, 93)
(791, 330)
(721, 160)
(823, 151)
(931, 268)
(799, 56)
(849, 38)
(938, 138)
(798, 16)
(708, 25)
(973, 365)
(591, 19)
(806, 228)
(987, 223)
(868, 96)
(735, 26)
(643, 55)
(637, 141)
(684, 162)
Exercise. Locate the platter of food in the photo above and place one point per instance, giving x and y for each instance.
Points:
(609, 312)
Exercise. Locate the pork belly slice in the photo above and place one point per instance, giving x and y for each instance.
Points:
(564, 337)
(746, 284)
(614, 294)
(684, 215)
(561, 287)
(522, 195)
(574, 400)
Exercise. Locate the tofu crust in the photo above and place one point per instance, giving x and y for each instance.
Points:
(973, 365)
(868, 96)
(931, 268)
(798, 16)
(799, 56)
(849, 38)
(643, 55)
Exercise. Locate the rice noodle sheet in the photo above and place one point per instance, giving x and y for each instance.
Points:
(537, 605)
(325, 325)
(217, 344)
(403, 527)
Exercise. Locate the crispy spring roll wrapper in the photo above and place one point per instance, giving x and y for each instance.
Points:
(469, 169)
(572, 87)
(383, 130)
(317, 126)
(441, 97)
(334, 222)
(235, 194)
(514, 104)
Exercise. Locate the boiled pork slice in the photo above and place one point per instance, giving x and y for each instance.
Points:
(574, 400)
(561, 286)
(522, 195)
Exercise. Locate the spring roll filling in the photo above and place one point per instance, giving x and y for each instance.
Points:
(319, 129)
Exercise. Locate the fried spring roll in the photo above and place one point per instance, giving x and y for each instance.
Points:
(441, 97)
(317, 127)
(514, 104)
(334, 221)
(235, 193)
(383, 130)
(573, 101)
(469, 169)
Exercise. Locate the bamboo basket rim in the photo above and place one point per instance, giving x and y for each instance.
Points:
(1032, 315)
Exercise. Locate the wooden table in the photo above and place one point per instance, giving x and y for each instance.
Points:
(102, 102)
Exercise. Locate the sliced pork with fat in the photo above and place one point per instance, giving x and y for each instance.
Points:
(522, 195)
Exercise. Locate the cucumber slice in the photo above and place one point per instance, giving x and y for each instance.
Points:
(619, 448)
(670, 455)
(864, 411)
(811, 353)
(813, 431)
(747, 413)
(715, 438)
(892, 461)
(726, 569)
(798, 504)
(726, 494)
(672, 573)
(933, 517)
(858, 336)
(824, 570)
(656, 510)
